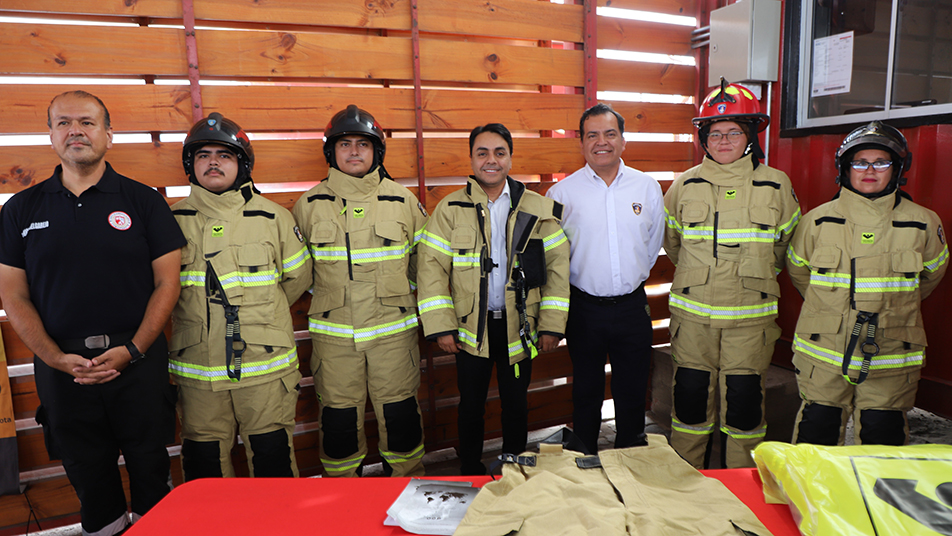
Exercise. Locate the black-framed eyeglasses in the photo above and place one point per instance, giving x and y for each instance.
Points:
(733, 136)
(879, 165)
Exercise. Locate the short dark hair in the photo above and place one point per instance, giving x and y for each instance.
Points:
(81, 95)
(496, 128)
(600, 109)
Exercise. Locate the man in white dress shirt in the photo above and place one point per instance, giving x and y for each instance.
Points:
(614, 219)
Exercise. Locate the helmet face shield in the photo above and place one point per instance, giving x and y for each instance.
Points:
(356, 122)
(218, 129)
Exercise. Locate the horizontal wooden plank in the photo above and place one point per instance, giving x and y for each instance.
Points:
(389, 14)
(49, 499)
(150, 108)
(659, 156)
(142, 108)
(641, 36)
(503, 18)
(89, 50)
(499, 64)
(656, 118)
(303, 54)
(685, 8)
(76, 50)
(160, 164)
(641, 77)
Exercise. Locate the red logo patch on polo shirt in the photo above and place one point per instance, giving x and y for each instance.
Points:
(120, 220)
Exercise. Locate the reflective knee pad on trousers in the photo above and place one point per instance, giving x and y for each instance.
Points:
(272, 454)
(744, 400)
(882, 427)
(819, 425)
(403, 425)
(690, 395)
(201, 459)
(340, 431)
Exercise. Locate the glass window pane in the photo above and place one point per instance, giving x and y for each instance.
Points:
(923, 70)
(869, 20)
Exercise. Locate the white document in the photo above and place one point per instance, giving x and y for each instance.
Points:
(832, 64)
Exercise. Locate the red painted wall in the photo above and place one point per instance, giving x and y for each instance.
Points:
(809, 163)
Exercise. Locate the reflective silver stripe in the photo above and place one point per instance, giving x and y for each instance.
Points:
(689, 429)
(375, 332)
(554, 240)
(218, 373)
(328, 253)
(436, 302)
(830, 280)
(554, 303)
(296, 260)
(329, 328)
(879, 362)
(934, 264)
(737, 434)
(393, 457)
(467, 337)
(340, 466)
(465, 260)
(699, 232)
(436, 243)
(886, 284)
(379, 254)
(722, 313)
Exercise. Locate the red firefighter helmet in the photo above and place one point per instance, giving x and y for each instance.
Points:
(732, 102)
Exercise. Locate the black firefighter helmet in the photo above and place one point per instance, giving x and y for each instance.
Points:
(354, 121)
(218, 129)
(875, 135)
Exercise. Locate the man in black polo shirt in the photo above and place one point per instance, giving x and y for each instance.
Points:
(89, 273)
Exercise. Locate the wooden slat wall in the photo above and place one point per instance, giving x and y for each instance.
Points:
(518, 62)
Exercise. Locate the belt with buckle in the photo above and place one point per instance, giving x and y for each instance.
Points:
(95, 342)
(497, 315)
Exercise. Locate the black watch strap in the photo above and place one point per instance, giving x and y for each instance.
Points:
(134, 352)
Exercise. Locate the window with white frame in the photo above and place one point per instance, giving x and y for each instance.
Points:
(861, 60)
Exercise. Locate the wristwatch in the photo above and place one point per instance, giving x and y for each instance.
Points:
(134, 352)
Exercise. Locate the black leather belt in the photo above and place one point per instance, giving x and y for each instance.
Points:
(95, 342)
(580, 294)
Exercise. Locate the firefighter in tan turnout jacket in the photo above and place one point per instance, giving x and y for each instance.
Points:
(232, 350)
(362, 229)
(729, 221)
(501, 250)
(863, 263)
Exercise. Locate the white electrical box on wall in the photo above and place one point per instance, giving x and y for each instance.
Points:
(745, 42)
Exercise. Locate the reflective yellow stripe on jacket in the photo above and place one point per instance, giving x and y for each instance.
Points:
(213, 374)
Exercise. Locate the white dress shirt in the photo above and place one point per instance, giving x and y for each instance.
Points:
(615, 232)
(498, 218)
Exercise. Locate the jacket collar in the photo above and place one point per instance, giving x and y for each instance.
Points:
(737, 173)
(863, 211)
(351, 187)
(478, 195)
(221, 206)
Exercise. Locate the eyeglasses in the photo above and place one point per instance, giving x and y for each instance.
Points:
(862, 165)
(733, 136)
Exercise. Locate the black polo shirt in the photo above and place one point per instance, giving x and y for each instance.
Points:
(88, 259)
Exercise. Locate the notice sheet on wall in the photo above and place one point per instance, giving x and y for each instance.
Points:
(832, 64)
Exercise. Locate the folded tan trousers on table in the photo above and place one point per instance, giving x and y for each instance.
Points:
(646, 490)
